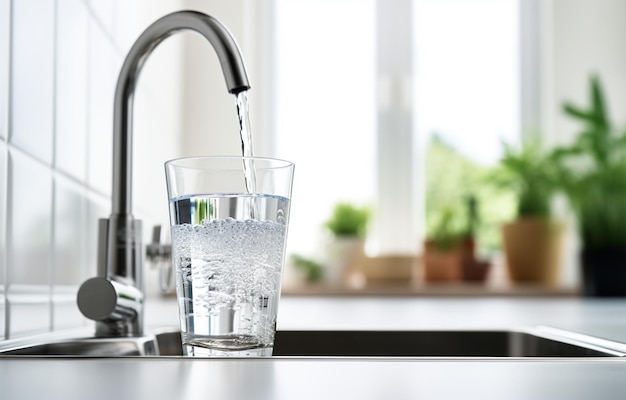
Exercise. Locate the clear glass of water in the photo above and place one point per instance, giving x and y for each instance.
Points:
(229, 218)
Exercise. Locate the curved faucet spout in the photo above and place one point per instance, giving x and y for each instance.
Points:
(120, 250)
(232, 66)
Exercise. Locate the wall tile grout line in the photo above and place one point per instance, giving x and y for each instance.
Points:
(7, 308)
(5, 261)
(53, 216)
(9, 247)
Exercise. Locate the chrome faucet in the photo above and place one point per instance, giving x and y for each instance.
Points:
(115, 298)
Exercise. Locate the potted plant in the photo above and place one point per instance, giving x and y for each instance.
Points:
(443, 247)
(593, 175)
(311, 269)
(472, 268)
(533, 241)
(345, 248)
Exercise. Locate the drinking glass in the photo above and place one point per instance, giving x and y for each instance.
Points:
(229, 218)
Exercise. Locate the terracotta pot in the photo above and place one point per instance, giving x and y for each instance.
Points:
(472, 270)
(533, 249)
(476, 271)
(396, 269)
(441, 265)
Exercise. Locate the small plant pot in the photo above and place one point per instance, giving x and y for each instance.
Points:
(533, 248)
(604, 272)
(475, 271)
(344, 255)
(472, 270)
(441, 265)
(388, 269)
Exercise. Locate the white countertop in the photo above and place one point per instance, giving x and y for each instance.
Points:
(599, 317)
(183, 378)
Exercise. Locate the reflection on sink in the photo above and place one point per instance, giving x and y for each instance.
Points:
(537, 342)
(85, 347)
(532, 342)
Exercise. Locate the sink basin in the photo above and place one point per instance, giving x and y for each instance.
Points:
(520, 343)
(87, 347)
(536, 342)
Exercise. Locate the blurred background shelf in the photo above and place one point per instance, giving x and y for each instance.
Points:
(405, 276)
(422, 289)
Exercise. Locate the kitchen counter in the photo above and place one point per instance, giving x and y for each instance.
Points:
(309, 379)
(282, 378)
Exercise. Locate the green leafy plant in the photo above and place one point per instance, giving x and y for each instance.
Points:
(313, 270)
(531, 174)
(452, 178)
(448, 229)
(349, 220)
(592, 172)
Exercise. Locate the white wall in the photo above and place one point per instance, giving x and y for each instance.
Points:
(583, 37)
(209, 117)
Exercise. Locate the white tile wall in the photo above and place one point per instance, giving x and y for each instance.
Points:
(104, 12)
(103, 67)
(59, 61)
(71, 88)
(71, 264)
(43, 210)
(32, 77)
(29, 222)
(3, 226)
(4, 101)
(5, 14)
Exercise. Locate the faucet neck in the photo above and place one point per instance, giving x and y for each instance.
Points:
(233, 69)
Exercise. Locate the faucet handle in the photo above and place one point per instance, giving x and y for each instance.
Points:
(155, 251)
(160, 255)
(116, 307)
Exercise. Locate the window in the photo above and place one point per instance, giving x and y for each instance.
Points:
(467, 73)
(326, 108)
(467, 101)
(361, 86)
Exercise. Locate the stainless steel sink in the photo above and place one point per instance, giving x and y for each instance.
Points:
(534, 342)
(519, 343)
(82, 347)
